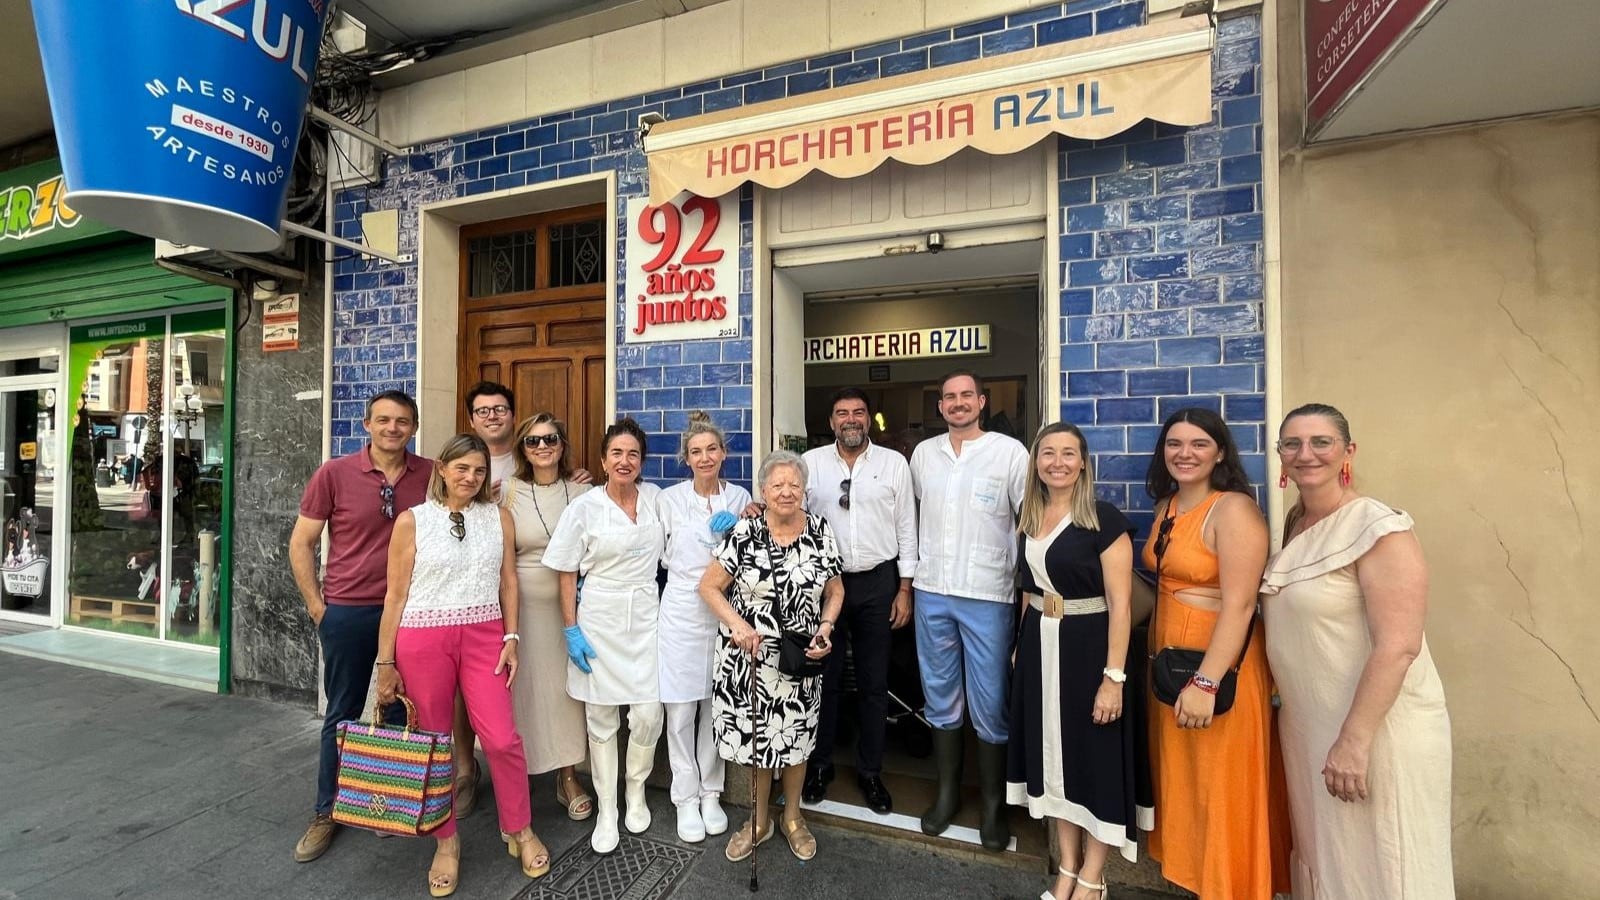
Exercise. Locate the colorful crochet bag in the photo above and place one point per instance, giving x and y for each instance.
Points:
(392, 779)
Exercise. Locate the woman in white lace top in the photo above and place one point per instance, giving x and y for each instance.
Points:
(449, 622)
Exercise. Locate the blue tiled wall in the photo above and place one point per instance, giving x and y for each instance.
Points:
(1160, 233)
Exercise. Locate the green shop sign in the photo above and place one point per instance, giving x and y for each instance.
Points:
(34, 212)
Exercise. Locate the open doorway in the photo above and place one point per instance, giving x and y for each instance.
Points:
(892, 327)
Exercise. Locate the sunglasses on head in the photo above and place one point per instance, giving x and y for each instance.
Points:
(386, 494)
(541, 440)
(458, 526)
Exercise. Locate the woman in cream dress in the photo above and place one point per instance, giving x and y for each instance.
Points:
(550, 721)
(1366, 738)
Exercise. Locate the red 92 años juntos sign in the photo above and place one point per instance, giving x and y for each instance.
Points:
(683, 269)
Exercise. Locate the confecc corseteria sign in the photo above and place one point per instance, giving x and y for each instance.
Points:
(908, 343)
(179, 119)
(683, 269)
(1344, 41)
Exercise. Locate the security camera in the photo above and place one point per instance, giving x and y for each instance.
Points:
(648, 121)
(935, 241)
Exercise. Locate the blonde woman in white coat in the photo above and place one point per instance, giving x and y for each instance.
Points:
(696, 513)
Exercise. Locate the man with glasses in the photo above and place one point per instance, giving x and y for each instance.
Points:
(494, 419)
(864, 491)
(356, 498)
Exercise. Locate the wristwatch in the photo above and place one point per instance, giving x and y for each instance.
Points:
(510, 636)
(1116, 675)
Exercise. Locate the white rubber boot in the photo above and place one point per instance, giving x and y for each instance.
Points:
(603, 769)
(640, 761)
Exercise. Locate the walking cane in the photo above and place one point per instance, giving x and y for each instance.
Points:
(755, 734)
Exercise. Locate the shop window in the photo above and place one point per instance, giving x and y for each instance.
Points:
(146, 454)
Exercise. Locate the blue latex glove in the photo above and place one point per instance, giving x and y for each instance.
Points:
(578, 649)
(722, 521)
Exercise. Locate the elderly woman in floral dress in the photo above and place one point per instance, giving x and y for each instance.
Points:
(783, 571)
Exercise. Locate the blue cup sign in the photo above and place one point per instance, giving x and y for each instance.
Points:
(179, 119)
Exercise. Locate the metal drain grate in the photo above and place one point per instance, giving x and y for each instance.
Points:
(640, 869)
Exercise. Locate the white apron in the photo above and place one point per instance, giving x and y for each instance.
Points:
(687, 636)
(617, 603)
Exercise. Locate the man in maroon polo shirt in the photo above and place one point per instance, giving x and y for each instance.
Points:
(356, 498)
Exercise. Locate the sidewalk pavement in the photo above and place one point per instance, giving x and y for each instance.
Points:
(116, 787)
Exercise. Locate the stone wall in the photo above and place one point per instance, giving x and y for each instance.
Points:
(277, 445)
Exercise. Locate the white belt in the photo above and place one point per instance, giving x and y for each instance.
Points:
(1054, 606)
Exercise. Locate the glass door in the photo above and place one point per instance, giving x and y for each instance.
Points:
(28, 469)
(196, 424)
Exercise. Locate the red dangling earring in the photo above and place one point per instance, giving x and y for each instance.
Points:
(1344, 474)
(1283, 481)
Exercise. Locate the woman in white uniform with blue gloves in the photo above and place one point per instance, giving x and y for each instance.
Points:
(614, 538)
(696, 513)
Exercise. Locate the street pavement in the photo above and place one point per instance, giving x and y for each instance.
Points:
(116, 787)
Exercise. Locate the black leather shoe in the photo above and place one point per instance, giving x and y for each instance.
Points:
(818, 777)
(876, 795)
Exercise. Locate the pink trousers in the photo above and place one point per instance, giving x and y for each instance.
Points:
(433, 663)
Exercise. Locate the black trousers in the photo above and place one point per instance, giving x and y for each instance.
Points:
(864, 623)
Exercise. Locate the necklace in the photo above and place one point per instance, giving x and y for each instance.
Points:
(535, 492)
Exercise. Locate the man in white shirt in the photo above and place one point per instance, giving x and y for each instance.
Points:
(970, 485)
(864, 492)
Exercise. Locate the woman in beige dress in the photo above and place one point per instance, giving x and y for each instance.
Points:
(1366, 738)
(551, 723)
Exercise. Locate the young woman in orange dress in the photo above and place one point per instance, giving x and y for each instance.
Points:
(1221, 818)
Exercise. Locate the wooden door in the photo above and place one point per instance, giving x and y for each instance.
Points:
(533, 318)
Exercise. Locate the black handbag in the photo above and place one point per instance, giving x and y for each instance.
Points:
(792, 658)
(792, 645)
(1171, 668)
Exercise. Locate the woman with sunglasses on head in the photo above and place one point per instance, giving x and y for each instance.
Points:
(1071, 748)
(450, 621)
(1219, 817)
(543, 484)
(1366, 737)
(697, 513)
(613, 538)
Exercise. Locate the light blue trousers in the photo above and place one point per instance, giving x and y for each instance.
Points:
(964, 651)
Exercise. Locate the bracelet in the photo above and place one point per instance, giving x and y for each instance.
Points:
(511, 636)
(828, 622)
(383, 662)
(1204, 684)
